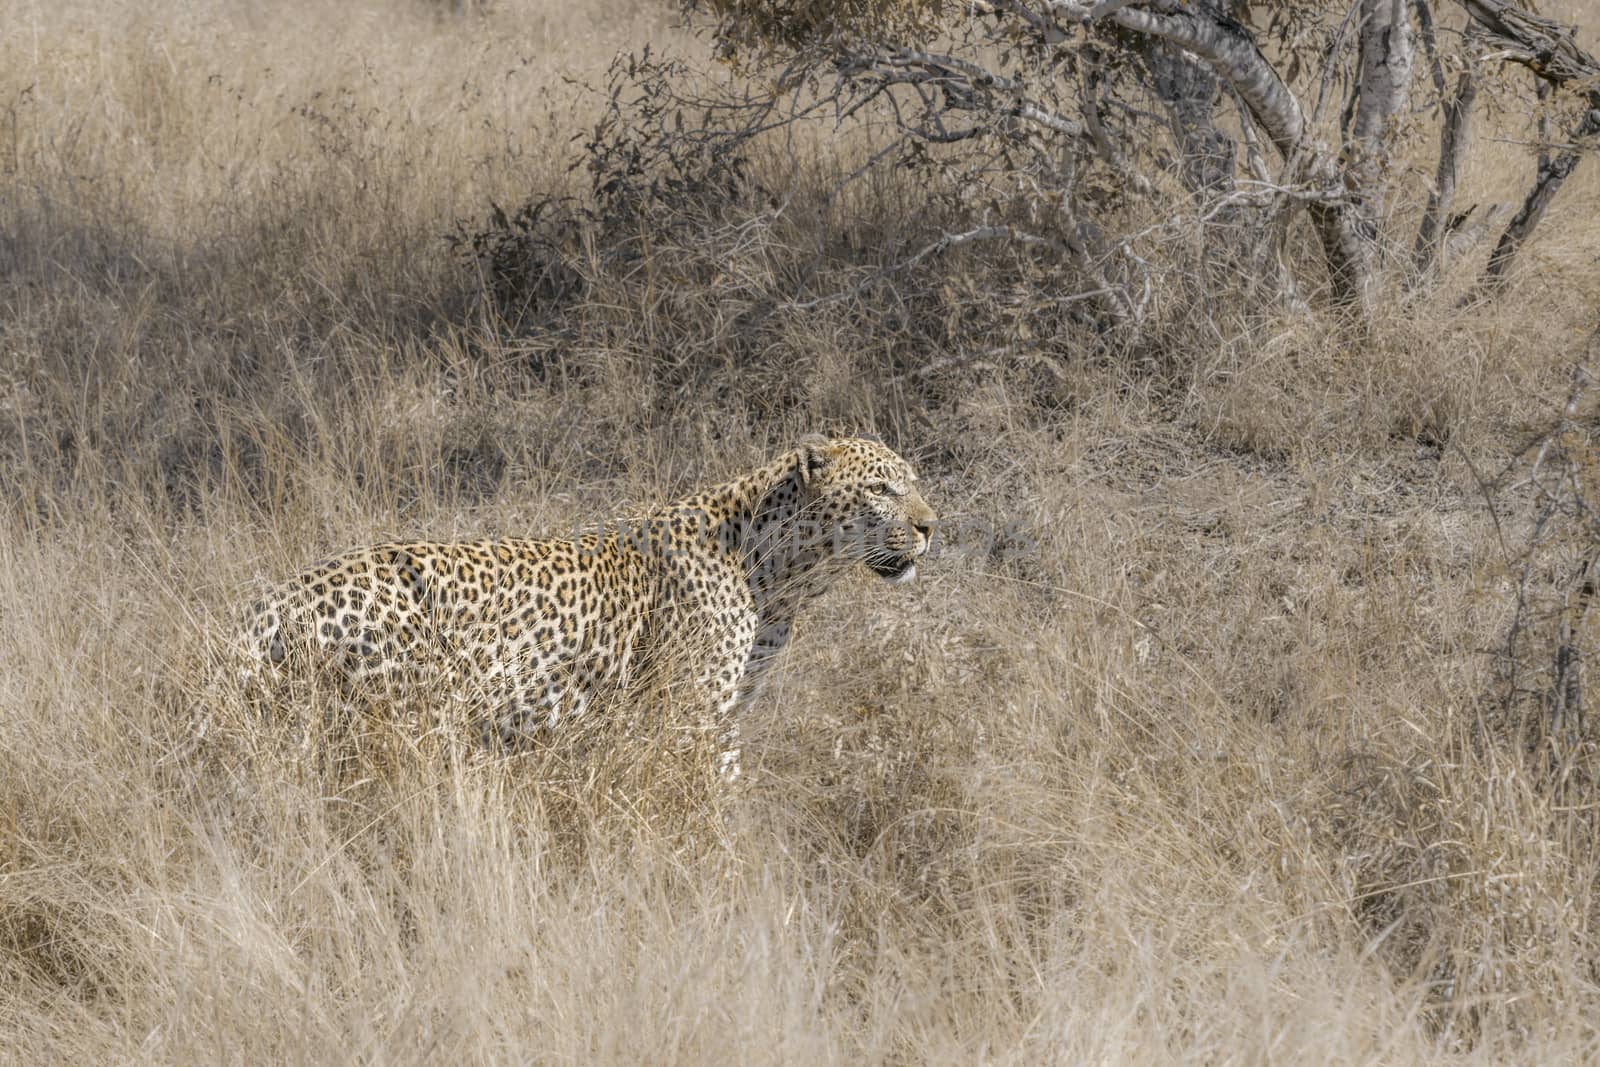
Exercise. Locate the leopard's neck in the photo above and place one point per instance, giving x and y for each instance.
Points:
(761, 521)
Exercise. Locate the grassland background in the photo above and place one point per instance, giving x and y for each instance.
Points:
(1188, 772)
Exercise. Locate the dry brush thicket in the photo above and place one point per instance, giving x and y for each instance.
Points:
(1240, 719)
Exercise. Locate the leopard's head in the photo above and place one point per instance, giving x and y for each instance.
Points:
(863, 500)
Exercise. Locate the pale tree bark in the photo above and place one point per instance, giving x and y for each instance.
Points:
(1388, 53)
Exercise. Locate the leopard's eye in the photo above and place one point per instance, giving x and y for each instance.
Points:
(882, 489)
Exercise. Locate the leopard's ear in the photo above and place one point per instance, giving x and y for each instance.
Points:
(816, 452)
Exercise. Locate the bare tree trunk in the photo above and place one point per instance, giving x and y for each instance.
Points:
(1427, 254)
(1552, 53)
(1383, 85)
(1552, 173)
(1388, 53)
(1345, 235)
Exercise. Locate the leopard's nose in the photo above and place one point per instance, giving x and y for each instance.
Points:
(924, 528)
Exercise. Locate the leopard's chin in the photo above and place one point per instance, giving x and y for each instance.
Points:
(895, 571)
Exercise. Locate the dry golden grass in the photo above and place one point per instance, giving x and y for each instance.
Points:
(1191, 770)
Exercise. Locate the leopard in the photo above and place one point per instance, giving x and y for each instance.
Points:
(699, 596)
